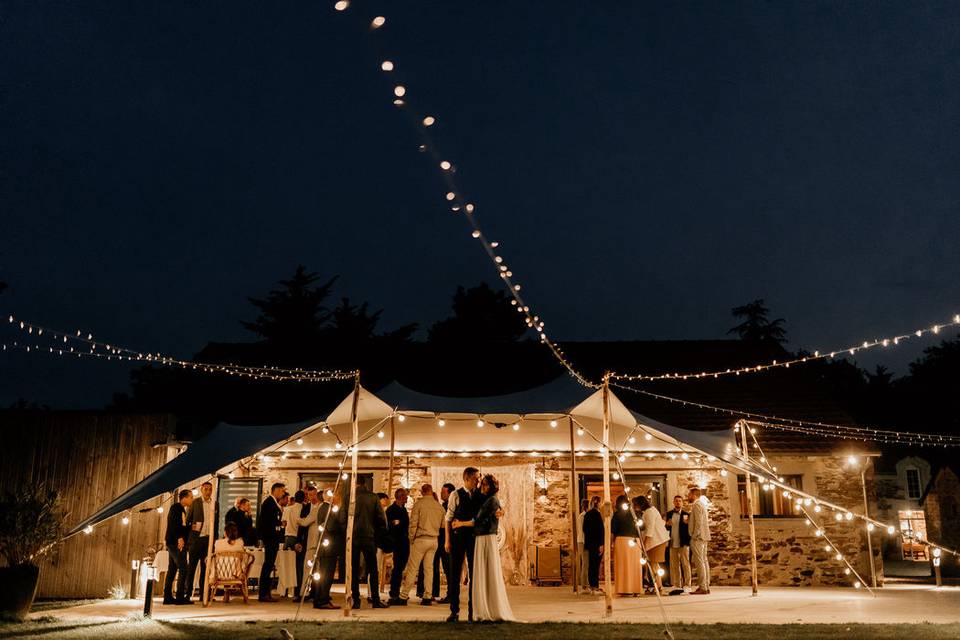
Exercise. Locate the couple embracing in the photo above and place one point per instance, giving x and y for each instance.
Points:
(473, 514)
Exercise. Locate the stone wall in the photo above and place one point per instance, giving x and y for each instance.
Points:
(942, 513)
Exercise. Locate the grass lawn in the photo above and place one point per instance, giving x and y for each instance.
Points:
(148, 629)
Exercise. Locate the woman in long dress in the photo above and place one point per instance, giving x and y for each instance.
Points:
(487, 590)
(627, 570)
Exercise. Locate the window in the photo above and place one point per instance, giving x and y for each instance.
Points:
(913, 484)
(229, 489)
(769, 501)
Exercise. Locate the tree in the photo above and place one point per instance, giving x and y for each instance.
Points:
(352, 324)
(480, 314)
(293, 313)
(756, 326)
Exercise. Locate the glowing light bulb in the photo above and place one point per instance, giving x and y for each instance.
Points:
(660, 572)
(401, 417)
(125, 520)
(818, 532)
(445, 165)
(723, 472)
(344, 476)
(441, 422)
(839, 557)
(579, 431)
(329, 493)
(159, 509)
(429, 121)
(615, 475)
(325, 429)
(326, 542)
(88, 529)
(299, 440)
(848, 515)
(316, 575)
(451, 196)
(553, 424)
(624, 507)
(309, 562)
(378, 22)
(870, 526)
(341, 5)
(399, 91)
(480, 423)
(838, 516)
(632, 440)
(632, 543)
(335, 508)
(856, 585)
(386, 65)
(890, 530)
(195, 492)
(380, 433)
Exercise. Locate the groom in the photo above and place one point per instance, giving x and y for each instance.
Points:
(462, 505)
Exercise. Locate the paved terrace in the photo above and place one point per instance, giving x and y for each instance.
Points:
(774, 605)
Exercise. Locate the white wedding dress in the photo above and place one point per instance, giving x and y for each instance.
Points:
(487, 590)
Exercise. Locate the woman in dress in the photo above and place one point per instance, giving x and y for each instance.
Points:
(655, 536)
(487, 591)
(627, 570)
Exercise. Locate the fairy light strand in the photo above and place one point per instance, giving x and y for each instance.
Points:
(776, 364)
(71, 343)
(455, 198)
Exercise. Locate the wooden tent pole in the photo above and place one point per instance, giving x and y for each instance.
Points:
(753, 532)
(351, 505)
(866, 514)
(607, 506)
(574, 512)
(393, 440)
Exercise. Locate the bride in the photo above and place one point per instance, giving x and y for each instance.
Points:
(487, 591)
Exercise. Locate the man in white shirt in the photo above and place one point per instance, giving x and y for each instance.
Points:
(699, 537)
(291, 520)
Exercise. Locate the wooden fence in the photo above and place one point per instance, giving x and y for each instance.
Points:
(90, 458)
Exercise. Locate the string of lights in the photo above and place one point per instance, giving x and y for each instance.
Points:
(823, 428)
(776, 364)
(83, 344)
(840, 513)
(455, 197)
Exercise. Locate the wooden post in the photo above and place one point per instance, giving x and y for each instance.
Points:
(607, 506)
(753, 531)
(393, 441)
(574, 511)
(866, 514)
(351, 505)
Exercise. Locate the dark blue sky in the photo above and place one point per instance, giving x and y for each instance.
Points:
(645, 166)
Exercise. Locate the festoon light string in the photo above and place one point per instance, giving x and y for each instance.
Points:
(840, 513)
(83, 345)
(455, 198)
(776, 364)
(847, 432)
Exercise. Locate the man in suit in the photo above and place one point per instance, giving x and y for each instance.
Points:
(677, 523)
(176, 541)
(270, 530)
(239, 514)
(203, 515)
(463, 504)
(326, 528)
(291, 534)
(368, 518)
(398, 524)
(699, 524)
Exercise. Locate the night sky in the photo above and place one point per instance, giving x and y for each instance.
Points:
(645, 166)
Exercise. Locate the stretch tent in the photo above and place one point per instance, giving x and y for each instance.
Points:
(542, 415)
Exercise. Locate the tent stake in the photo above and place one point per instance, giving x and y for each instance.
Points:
(753, 532)
(351, 505)
(607, 506)
(574, 512)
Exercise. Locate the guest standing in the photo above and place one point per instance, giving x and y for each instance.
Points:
(270, 530)
(583, 578)
(627, 570)
(398, 524)
(699, 539)
(593, 531)
(176, 540)
(463, 506)
(677, 523)
(326, 545)
(291, 535)
(441, 559)
(368, 519)
(239, 514)
(202, 518)
(655, 536)
(426, 520)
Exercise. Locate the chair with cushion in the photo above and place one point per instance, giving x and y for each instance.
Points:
(231, 569)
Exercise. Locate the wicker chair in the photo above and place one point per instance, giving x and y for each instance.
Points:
(231, 569)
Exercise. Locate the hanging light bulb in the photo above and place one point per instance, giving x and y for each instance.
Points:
(160, 509)
(299, 440)
(579, 431)
(344, 476)
(401, 417)
(890, 530)
(125, 520)
(399, 91)
(428, 121)
(516, 426)
(446, 166)
(341, 5)
(441, 422)
(386, 65)
(380, 433)
(553, 424)
(88, 529)
(451, 196)
(480, 423)
(378, 22)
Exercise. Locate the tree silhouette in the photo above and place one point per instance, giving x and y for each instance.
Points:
(352, 324)
(755, 325)
(294, 313)
(480, 314)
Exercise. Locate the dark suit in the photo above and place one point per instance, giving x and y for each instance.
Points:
(368, 518)
(398, 523)
(461, 548)
(177, 530)
(198, 546)
(592, 541)
(269, 518)
(328, 555)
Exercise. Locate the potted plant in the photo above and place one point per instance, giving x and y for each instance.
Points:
(31, 526)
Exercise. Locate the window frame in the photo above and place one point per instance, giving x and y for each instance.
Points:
(773, 497)
(906, 483)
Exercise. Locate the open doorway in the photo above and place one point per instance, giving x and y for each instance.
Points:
(651, 485)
